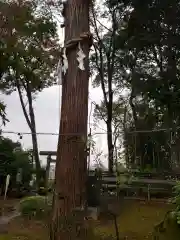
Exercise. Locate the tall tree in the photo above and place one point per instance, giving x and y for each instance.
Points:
(118, 112)
(152, 49)
(71, 166)
(149, 70)
(29, 54)
(105, 63)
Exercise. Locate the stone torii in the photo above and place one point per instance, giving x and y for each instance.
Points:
(50, 160)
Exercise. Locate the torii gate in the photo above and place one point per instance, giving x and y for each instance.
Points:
(49, 155)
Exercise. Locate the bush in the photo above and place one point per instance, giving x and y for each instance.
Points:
(35, 206)
(42, 191)
(176, 201)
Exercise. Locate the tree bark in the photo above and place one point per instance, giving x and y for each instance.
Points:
(30, 119)
(133, 108)
(34, 135)
(110, 147)
(109, 117)
(71, 166)
(48, 165)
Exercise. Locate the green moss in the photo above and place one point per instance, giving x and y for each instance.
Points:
(137, 221)
(172, 231)
(11, 237)
(5, 237)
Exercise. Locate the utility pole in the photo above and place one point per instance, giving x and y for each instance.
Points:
(71, 165)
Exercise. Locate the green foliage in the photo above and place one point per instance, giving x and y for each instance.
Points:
(35, 206)
(154, 80)
(43, 191)
(3, 112)
(28, 47)
(146, 63)
(11, 160)
(176, 201)
(100, 112)
(123, 176)
(9, 156)
(29, 52)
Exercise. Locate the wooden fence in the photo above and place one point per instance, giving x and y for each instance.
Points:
(145, 184)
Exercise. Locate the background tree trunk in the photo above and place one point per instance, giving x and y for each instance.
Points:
(30, 119)
(34, 136)
(71, 166)
(110, 147)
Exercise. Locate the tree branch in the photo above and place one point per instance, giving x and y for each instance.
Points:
(96, 30)
(23, 104)
(159, 62)
(101, 72)
(100, 112)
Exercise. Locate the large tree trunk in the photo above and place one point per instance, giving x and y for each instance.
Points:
(71, 166)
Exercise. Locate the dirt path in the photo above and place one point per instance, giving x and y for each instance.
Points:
(6, 218)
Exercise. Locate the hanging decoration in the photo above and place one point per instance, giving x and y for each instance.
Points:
(80, 58)
(20, 135)
(59, 72)
(62, 67)
(64, 61)
(7, 185)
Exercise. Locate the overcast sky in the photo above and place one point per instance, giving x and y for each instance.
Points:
(47, 114)
(47, 108)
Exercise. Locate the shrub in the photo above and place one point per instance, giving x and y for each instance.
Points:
(176, 201)
(35, 206)
(42, 191)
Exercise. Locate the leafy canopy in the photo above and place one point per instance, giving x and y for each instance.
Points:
(28, 47)
(13, 158)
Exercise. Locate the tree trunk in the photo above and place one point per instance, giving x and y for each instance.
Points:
(135, 119)
(48, 165)
(110, 147)
(34, 136)
(125, 136)
(30, 119)
(71, 166)
(133, 108)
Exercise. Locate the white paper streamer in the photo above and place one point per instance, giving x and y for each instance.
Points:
(7, 185)
(80, 58)
(59, 72)
(65, 62)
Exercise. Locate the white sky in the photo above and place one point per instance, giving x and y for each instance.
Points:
(47, 115)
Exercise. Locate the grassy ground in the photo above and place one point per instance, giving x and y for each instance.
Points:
(136, 222)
